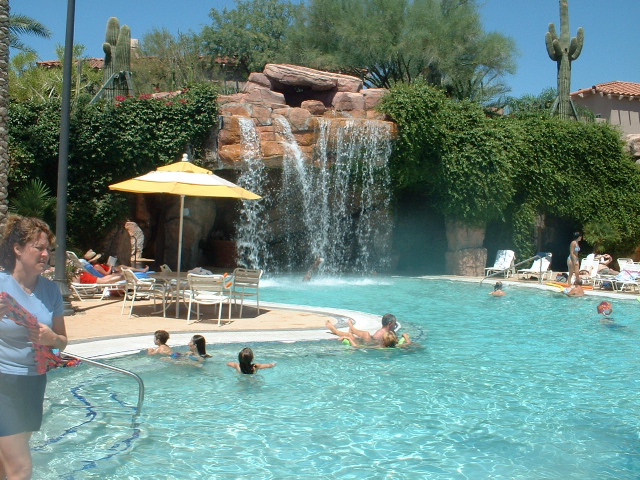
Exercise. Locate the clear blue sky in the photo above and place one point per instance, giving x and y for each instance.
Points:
(611, 32)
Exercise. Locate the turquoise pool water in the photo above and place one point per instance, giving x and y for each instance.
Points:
(528, 386)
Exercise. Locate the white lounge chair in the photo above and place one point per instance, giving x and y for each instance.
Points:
(246, 283)
(207, 290)
(136, 288)
(539, 268)
(505, 260)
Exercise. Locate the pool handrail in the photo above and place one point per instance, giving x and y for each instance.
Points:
(116, 369)
(499, 272)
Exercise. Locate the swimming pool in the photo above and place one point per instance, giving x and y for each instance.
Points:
(526, 386)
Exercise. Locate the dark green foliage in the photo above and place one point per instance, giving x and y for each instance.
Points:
(34, 200)
(481, 169)
(250, 35)
(108, 143)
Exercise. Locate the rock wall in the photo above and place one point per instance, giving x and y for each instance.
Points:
(301, 96)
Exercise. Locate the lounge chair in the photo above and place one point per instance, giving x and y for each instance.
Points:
(91, 291)
(246, 283)
(207, 290)
(137, 288)
(629, 278)
(505, 260)
(590, 265)
(539, 268)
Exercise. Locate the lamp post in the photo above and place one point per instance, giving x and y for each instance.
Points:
(60, 275)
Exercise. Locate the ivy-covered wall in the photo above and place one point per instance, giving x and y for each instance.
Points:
(484, 169)
(108, 143)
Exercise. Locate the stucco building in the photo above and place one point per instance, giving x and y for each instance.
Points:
(615, 102)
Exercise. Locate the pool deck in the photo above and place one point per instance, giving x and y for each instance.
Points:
(99, 330)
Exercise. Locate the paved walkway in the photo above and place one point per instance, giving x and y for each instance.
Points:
(98, 329)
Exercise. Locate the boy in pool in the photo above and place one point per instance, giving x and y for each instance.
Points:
(245, 365)
(160, 338)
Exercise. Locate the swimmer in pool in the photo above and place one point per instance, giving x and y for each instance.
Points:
(389, 324)
(575, 290)
(197, 350)
(245, 365)
(160, 338)
(389, 338)
(497, 290)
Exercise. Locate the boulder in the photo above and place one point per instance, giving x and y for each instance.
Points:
(267, 133)
(293, 76)
(345, 101)
(315, 107)
(235, 98)
(372, 96)
(230, 153)
(633, 145)
(261, 115)
(235, 108)
(259, 79)
(265, 97)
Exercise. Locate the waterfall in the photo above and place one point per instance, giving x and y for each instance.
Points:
(337, 206)
(334, 205)
(250, 233)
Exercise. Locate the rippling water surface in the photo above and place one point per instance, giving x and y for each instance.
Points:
(527, 386)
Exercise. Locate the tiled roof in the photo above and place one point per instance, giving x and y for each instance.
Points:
(95, 63)
(98, 63)
(617, 88)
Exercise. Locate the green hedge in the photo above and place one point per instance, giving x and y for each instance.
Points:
(480, 168)
(108, 143)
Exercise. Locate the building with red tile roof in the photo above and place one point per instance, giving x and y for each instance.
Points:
(615, 102)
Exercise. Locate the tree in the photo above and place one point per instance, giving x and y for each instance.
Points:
(251, 35)
(23, 25)
(30, 82)
(167, 62)
(4, 104)
(392, 41)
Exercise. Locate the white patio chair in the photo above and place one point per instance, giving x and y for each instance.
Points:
(246, 283)
(505, 260)
(136, 287)
(207, 290)
(539, 268)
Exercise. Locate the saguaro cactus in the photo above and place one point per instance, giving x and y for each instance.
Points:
(117, 60)
(563, 51)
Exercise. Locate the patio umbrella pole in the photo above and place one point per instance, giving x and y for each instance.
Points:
(179, 254)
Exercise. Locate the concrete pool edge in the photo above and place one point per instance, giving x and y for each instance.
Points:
(128, 344)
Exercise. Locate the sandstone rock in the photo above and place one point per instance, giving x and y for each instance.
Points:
(372, 96)
(469, 262)
(235, 98)
(305, 139)
(633, 145)
(302, 77)
(272, 150)
(267, 133)
(234, 108)
(262, 115)
(259, 79)
(299, 118)
(345, 101)
(265, 97)
(373, 115)
(230, 153)
(315, 107)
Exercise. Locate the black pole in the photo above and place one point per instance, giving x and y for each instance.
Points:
(63, 161)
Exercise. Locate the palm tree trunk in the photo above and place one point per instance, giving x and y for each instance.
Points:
(4, 114)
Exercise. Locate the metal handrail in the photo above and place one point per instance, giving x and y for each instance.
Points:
(116, 369)
(498, 272)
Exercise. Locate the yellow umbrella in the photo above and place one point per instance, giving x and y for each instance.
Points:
(184, 178)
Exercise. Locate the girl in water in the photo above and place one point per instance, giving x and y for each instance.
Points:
(245, 365)
(197, 350)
